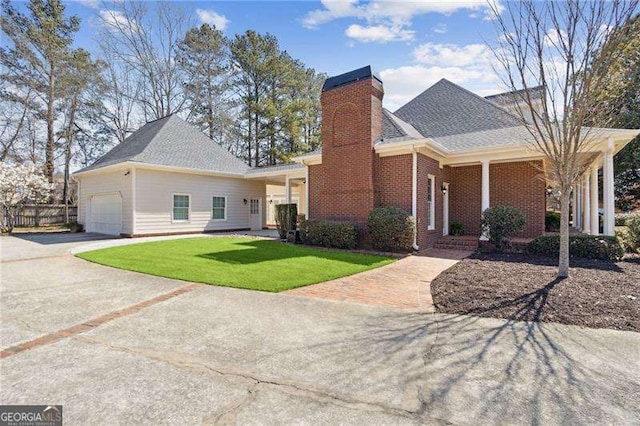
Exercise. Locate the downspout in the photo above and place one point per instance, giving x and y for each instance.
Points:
(133, 201)
(414, 194)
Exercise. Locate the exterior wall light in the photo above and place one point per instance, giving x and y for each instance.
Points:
(443, 189)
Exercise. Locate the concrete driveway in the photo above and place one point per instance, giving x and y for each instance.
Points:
(141, 349)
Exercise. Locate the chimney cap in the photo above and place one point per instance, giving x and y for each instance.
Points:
(349, 77)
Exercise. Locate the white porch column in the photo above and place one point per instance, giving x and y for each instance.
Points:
(414, 195)
(607, 191)
(485, 191)
(595, 219)
(287, 189)
(578, 206)
(306, 192)
(586, 203)
(574, 206)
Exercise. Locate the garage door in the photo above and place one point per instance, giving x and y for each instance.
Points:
(106, 214)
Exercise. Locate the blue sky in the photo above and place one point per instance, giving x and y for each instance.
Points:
(410, 44)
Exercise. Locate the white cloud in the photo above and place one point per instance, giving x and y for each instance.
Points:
(385, 9)
(553, 37)
(395, 16)
(212, 18)
(93, 4)
(452, 54)
(465, 65)
(378, 33)
(440, 29)
(115, 19)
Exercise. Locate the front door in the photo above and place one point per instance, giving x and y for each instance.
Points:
(255, 214)
(445, 210)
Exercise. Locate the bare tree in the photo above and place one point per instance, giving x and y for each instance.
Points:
(561, 46)
(122, 112)
(145, 41)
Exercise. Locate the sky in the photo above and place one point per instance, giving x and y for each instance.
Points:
(410, 44)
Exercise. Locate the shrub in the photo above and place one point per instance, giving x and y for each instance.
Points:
(74, 226)
(633, 231)
(327, 233)
(584, 246)
(621, 218)
(286, 218)
(552, 221)
(456, 228)
(500, 223)
(391, 229)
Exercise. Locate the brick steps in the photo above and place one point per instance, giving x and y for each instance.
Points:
(457, 243)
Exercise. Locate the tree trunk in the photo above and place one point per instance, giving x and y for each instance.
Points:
(48, 165)
(563, 257)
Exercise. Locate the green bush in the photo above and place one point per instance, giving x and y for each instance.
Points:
(456, 228)
(286, 218)
(552, 221)
(633, 231)
(584, 246)
(621, 218)
(391, 229)
(328, 233)
(500, 223)
(74, 226)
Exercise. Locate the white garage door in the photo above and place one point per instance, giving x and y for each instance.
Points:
(106, 214)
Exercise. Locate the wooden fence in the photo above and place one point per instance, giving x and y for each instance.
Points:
(43, 214)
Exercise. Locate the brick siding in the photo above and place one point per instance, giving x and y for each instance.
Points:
(520, 185)
(517, 184)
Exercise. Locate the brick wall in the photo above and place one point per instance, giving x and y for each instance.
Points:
(393, 181)
(343, 187)
(520, 185)
(516, 184)
(465, 197)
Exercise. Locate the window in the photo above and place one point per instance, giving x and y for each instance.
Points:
(255, 206)
(180, 207)
(431, 216)
(219, 208)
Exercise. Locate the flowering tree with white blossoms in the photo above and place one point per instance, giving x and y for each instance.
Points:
(20, 184)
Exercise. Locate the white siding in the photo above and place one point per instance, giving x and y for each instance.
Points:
(154, 193)
(106, 183)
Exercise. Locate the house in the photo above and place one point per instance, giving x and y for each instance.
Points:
(445, 156)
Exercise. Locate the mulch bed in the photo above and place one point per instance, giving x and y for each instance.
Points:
(597, 294)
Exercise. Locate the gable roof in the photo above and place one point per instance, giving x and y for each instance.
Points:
(171, 141)
(507, 98)
(447, 109)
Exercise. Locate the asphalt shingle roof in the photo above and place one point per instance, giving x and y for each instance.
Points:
(447, 109)
(171, 141)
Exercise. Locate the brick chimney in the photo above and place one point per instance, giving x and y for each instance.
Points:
(351, 123)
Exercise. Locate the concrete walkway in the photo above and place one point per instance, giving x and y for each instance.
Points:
(404, 284)
(119, 347)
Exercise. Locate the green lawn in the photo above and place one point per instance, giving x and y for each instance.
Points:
(236, 262)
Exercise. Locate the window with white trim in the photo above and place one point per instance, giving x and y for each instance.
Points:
(181, 207)
(431, 197)
(219, 208)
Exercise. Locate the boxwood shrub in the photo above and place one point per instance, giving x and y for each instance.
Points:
(391, 229)
(552, 221)
(328, 233)
(584, 246)
(286, 217)
(500, 223)
(633, 232)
